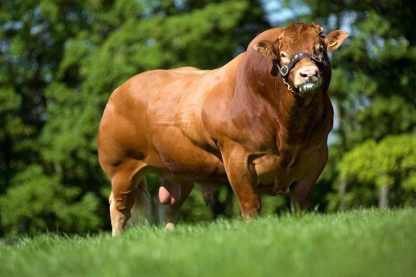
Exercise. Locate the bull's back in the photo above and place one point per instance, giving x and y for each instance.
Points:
(155, 117)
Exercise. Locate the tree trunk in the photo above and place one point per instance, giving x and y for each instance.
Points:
(342, 190)
(383, 197)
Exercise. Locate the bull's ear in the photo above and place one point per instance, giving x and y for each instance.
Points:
(265, 48)
(335, 39)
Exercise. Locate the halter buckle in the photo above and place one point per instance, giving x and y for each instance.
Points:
(284, 70)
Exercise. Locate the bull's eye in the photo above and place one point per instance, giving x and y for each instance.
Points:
(319, 49)
(284, 57)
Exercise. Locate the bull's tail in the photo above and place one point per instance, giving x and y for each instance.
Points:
(141, 210)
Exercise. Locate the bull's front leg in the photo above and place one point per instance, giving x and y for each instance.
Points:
(301, 190)
(242, 177)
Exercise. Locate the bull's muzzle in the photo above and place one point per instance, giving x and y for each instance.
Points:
(308, 78)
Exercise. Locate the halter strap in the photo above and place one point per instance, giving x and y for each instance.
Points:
(284, 70)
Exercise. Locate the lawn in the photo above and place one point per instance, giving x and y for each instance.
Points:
(357, 243)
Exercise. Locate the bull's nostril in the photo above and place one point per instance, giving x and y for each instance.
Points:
(304, 75)
(316, 73)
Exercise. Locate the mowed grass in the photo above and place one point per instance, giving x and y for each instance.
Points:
(357, 243)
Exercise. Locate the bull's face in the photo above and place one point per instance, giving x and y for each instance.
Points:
(299, 55)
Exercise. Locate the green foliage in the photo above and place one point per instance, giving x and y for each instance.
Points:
(388, 163)
(392, 159)
(357, 243)
(36, 201)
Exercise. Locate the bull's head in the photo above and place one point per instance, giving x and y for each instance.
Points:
(299, 55)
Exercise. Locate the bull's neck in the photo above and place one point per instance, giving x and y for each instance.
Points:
(294, 118)
(300, 119)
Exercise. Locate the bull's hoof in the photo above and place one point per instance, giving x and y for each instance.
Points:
(170, 226)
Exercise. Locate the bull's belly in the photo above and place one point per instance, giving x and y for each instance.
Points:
(176, 154)
(192, 165)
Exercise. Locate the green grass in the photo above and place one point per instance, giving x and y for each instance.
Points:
(358, 243)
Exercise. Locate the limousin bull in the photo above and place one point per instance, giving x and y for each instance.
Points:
(261, 122)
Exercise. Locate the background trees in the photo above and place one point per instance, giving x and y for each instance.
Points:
(60, 60)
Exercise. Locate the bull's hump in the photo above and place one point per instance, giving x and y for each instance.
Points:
(189, 70)
(270, 35)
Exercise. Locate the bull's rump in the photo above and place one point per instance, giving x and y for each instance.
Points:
(155, 117)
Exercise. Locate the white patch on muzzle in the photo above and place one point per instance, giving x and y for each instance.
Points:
(310, 86)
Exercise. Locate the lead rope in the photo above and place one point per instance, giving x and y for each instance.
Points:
(282, 75)
(289, 87)
(282, 71)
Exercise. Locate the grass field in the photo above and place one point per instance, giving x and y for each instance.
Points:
(357, 243)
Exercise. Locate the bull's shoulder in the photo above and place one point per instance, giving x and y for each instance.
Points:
(226, 114)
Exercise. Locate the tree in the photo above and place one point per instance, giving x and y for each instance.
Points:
(32, 36)
(388, 164)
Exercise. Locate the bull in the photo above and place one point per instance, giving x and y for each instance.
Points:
(261, 122)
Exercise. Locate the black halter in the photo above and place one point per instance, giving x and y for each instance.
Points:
(284, 70)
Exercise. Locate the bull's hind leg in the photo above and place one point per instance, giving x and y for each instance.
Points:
(172, 194)
(123, 188)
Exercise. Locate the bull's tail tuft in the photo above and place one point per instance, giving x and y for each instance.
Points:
(141, 210)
